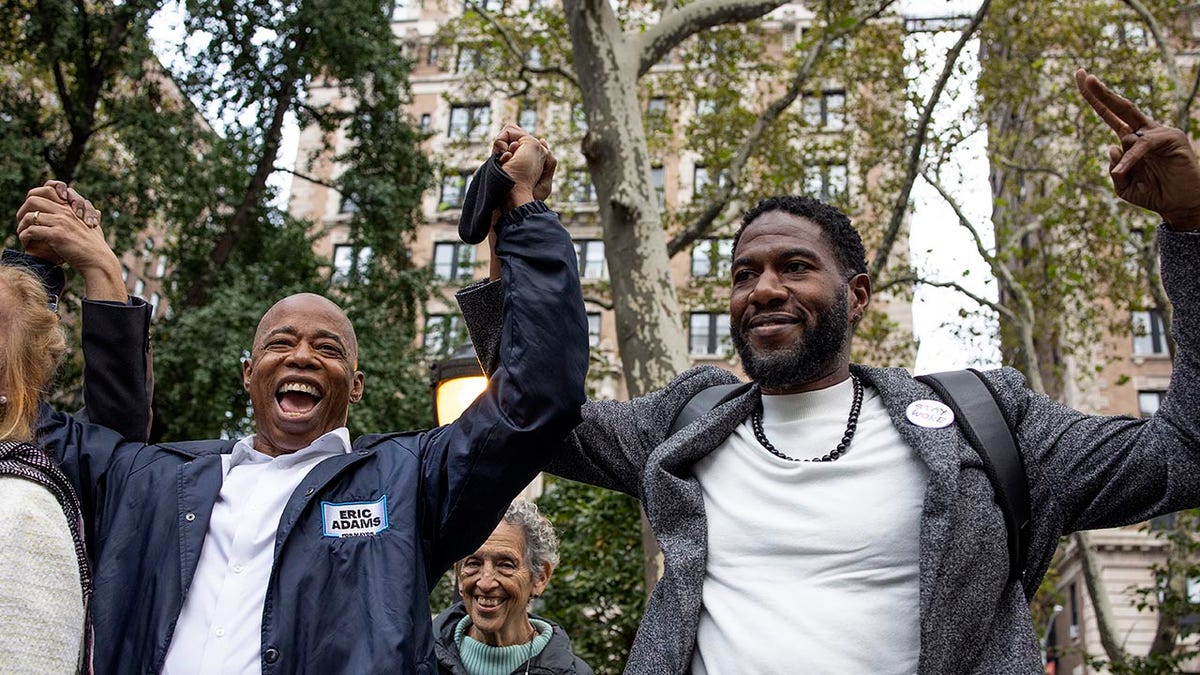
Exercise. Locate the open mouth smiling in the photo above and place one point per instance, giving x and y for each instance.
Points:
(297, 399)
(488, 604)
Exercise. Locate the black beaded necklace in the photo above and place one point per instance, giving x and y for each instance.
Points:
(851, 425)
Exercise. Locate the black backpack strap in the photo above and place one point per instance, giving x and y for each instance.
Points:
(981, 421)
(704, 400)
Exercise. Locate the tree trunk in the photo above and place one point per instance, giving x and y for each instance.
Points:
(650, 333)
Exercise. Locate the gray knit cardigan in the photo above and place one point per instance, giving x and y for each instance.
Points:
(1084, 472)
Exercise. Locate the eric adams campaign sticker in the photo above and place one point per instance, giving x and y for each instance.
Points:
(354, 519)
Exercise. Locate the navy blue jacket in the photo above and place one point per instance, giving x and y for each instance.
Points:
(339, 605)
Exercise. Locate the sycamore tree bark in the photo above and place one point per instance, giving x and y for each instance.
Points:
(608, 64)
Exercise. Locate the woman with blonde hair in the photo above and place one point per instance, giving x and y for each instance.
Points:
(45, 579)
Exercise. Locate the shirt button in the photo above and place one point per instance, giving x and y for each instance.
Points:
(237, 569)
(190, 516)
(271, 655)
(309, 492)
(220, 632)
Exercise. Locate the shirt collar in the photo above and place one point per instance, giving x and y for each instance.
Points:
(336, 442)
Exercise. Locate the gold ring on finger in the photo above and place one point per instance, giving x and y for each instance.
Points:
(36, 216)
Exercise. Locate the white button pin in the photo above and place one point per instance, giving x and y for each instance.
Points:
(930, 414)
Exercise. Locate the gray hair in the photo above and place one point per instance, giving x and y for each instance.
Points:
(541, 542)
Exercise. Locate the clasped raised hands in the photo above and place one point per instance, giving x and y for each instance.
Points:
(528, 161)
(56, 223)
(1154, 166)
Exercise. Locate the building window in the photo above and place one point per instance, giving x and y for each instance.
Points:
(470, 122)
(155, 299)
(826, 110)
(712, 257)
(827, 182)
(124, 273)
(1149, 401)
(160, 269)
(346, 266)
(527, 117)
(1127, 34)
(139, 287)
(469, 60)
(453, 260)
(656, 115)
(702, 180)
(579, 187)
(592, 264)
(426, 122)
(443, 333)
(658, 180)
(593, 320)
(709, 333)
(433, 55)
(403, 10)
(454, 190)
(347, 206)
(1149, 334)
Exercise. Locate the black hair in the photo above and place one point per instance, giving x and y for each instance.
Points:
(845, 240)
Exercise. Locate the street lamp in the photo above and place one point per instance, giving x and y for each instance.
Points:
(456, 381)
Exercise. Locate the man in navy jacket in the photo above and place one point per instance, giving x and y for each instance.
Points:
(368, 527)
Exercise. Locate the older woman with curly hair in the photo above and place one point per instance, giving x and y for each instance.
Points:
(490, 632)
(45, 581)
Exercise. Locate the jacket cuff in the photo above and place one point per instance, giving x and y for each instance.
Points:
(482, 306)
(521, 213)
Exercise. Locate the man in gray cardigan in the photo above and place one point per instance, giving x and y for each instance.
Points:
(832, 518)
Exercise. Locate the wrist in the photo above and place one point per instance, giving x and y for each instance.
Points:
(102, 280)
(518, 196)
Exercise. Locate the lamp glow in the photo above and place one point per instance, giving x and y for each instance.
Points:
(456, 381)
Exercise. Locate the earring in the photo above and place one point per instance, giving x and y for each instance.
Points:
(3, 399)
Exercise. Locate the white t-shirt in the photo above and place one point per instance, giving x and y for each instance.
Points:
(812, 566)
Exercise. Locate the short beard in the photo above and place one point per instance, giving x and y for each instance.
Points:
(818, 350)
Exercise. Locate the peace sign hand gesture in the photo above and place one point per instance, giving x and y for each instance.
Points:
(1155, 166)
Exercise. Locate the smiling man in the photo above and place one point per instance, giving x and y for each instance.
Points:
(294, 549)
(823, 521)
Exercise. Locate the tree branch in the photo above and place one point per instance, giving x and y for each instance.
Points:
(511, 45)
(972, 295)
(656, 41)
(1167, 53)
(1105, 624)
(310, 179)
(725, 189)
(900, 208)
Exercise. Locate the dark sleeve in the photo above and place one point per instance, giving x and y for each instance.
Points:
(118, 375)
(609, 449)
(475, 466)
(1088, 471)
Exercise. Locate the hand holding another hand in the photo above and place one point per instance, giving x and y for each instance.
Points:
(56, 223)
(528, 161)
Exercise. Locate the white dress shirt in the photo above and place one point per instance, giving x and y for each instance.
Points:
(220, 627)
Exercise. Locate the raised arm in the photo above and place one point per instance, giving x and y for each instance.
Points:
(533, 398)
(1090, 471)
(57, 225)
